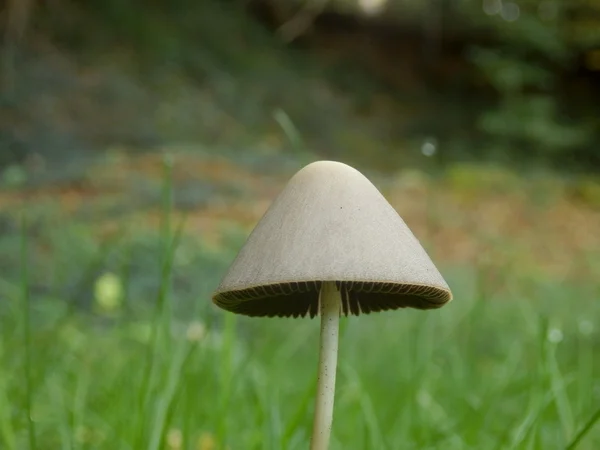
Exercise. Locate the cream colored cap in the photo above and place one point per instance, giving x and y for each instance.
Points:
(330, 223)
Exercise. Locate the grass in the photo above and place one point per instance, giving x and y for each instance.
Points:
(145, 361)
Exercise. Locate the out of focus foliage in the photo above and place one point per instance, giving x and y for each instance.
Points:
(541, 59)
(534, 65)
(541, 51)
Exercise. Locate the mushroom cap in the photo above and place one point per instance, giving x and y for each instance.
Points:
(330, 224)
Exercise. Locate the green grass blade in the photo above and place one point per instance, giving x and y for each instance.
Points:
(226, 375)
(557, 386)
(7, 432)
(25, 300)
(373, 436)
(584, 431)
(297, 418)
(161, 319)
(167, 397)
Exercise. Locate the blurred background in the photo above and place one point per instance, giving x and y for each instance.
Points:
(141, 141)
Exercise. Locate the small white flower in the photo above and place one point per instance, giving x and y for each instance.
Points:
(196, 331)
(174, 439)
(555, 335)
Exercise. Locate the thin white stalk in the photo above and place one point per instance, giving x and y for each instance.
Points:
(330, 304)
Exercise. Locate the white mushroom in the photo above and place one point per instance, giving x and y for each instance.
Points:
(330, 243)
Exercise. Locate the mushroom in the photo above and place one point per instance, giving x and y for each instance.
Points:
(330, 243)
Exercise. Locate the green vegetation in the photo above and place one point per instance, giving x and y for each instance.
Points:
(109, 339)
(517, 87)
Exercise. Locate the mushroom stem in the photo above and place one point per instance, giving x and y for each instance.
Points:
(330, 305)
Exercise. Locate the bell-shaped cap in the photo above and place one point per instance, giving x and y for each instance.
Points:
(330, 223)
